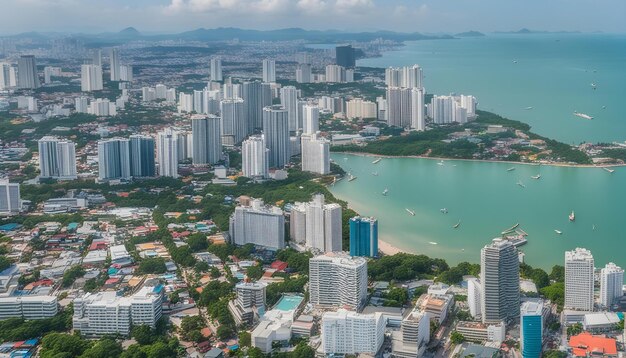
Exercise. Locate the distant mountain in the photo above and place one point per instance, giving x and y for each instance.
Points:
(527, 31)
(231, 33)
(470, 34)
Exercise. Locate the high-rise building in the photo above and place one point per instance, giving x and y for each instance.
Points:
(359, 108)
(407, 77)
(474, 300)
(81, 104)
(499, 277)
(102, 107)
(255, 158)
(289, 100)
(315, 154)
(448, 109)
(323, 225)
(336, 279)
(5, 76)
(27, 77)
(579, 266)
(297, 223)
(206, 142)
(259, 225)
(10, 198)
(233, 124)
(269, 71)
(336, 74)
(418, 117)
(531, 329)
(114, 159)
(349, 332)
(50, 71)
(276, 132)
(96, 57)
(167, 152)
(142, 156)
(114, 62)
(363, 236)
(90, 78)
(611, 281)
(399, 107)
(414, 335)
(216, 69)
(126, 73)
(304, 73)
(344, 56)
(252, 94)
(250, 303)
(311, 120)
(106, 313)
(57, 158)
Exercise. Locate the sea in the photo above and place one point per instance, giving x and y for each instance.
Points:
(552, 73)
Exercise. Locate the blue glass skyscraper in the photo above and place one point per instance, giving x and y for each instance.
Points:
(531, 329)
(363, 236)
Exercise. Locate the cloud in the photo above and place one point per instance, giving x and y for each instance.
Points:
(235, 6)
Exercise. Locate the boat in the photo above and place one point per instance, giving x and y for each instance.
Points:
(603, 107)
(521, 184)
(593, 85)
(593, 227)
(411, 212)
(433, 243)
(510, 230)
(582, 115)
(510, 169)
(351, 177)
(514, 61)
(444, 210)
(455, 226)
(375, 174)
(385, 191)
(572, 216)
(536, 176)
(609, 169)
(440, 162)
(558, 231)
(528, 108)
(377, 160)
(345, 158)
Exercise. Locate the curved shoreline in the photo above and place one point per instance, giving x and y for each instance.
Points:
(367, 154)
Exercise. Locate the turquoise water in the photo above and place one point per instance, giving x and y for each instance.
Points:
(289, 302)
(485, 197)
(553, 74)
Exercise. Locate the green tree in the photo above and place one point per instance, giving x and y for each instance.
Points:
(554, 354)
(558, 273)
(398, 294)
(575, 329)
(245, 339)
(255, 272)
(457, 338)
(303, 350)
(56, 345)
(143, 334)
(154, 265)
(224, 332)
(72, 274)
(198, 242)
(202, 266)
(104, 348)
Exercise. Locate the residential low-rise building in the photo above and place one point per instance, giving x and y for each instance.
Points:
(480, 332)
(28, 307)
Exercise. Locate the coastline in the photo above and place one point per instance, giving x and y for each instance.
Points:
(387, 248)
(367, 154)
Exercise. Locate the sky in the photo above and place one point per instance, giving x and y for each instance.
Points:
(428, 16)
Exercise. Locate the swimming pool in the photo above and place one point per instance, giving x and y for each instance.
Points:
(289, 302)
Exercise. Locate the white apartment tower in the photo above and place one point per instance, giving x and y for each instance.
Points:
(579, 266)
(259, 225)
(206, 140)
(255, 158)
(114, 159)
(311, 120)
(114, 60)
(336, 279)
(167, 153)
(289, 100)
(611, 281)
(57, 158)
(10, 199)
(234, 125)
(349, 332)
(315, 154)
(407, 77)
(276, 134)
(499, 277)
(474, 301)
(269, 71)
(323, 225)
(90, 78)
(216, 69)
(418, 115)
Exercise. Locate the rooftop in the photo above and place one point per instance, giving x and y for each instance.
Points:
(586, 344)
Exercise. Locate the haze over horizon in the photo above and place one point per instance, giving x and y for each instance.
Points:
(428, 16)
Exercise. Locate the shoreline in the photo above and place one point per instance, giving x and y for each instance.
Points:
(388, 249)
(367, 154)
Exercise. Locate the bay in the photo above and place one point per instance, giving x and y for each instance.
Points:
(552, 73)
(486, 199)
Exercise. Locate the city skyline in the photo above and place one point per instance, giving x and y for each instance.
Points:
(166, 16)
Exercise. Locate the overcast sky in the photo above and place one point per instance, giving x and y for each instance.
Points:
(166, 16)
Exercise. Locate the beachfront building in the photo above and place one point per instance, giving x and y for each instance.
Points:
(336, 279)
(579, 267)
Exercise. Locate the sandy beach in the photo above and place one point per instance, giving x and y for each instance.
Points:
(387, 249)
